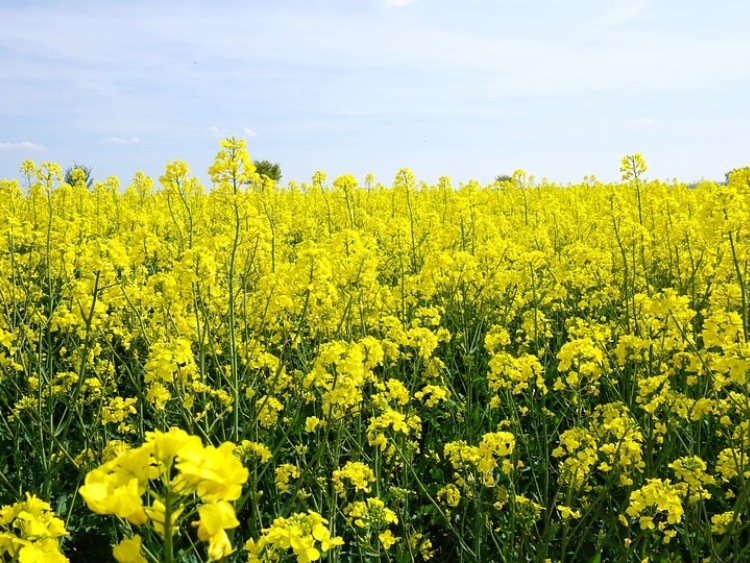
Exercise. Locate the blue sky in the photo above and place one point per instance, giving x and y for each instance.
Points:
(468, 89)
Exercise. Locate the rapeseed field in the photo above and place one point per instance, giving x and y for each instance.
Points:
(355, 372)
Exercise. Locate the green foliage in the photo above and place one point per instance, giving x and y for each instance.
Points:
(272, 170)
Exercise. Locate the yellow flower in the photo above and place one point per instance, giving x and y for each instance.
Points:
(129, 551)
(284, 473)
(214, 518)
(312, 422)
(567, 512)
(323, 535)
(633, 166)
(357, 473)
(167, 445)
(450, 494)
(219, 546)
(432, 395)
(248, 450)
(387, 539)
(299, 532)
(29, 530)
(213, 473)
(304, 548)
(43, 551)
(657, 496)
(106, 493)
(720, 523)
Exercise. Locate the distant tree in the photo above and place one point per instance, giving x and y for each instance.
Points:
(503, 178)
(79, 172)
(267, 168)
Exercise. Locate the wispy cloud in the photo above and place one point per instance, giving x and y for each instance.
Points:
(122, 140)
(21, 146)
(224, 132)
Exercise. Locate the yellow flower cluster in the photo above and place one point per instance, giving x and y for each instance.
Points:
(357, 474)
(371, 517)
(307, 535)
(483, 458)
(658, 506)
(465, 372)
(172, 467)
(611, 443)
(29, 532)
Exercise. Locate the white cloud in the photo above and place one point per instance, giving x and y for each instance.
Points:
(225, 132)
(219, 132)
(122, 140)
(21, 146)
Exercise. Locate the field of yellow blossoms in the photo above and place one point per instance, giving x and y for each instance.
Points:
(357, 372)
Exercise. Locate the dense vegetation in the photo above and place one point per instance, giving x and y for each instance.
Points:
(512, 372)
